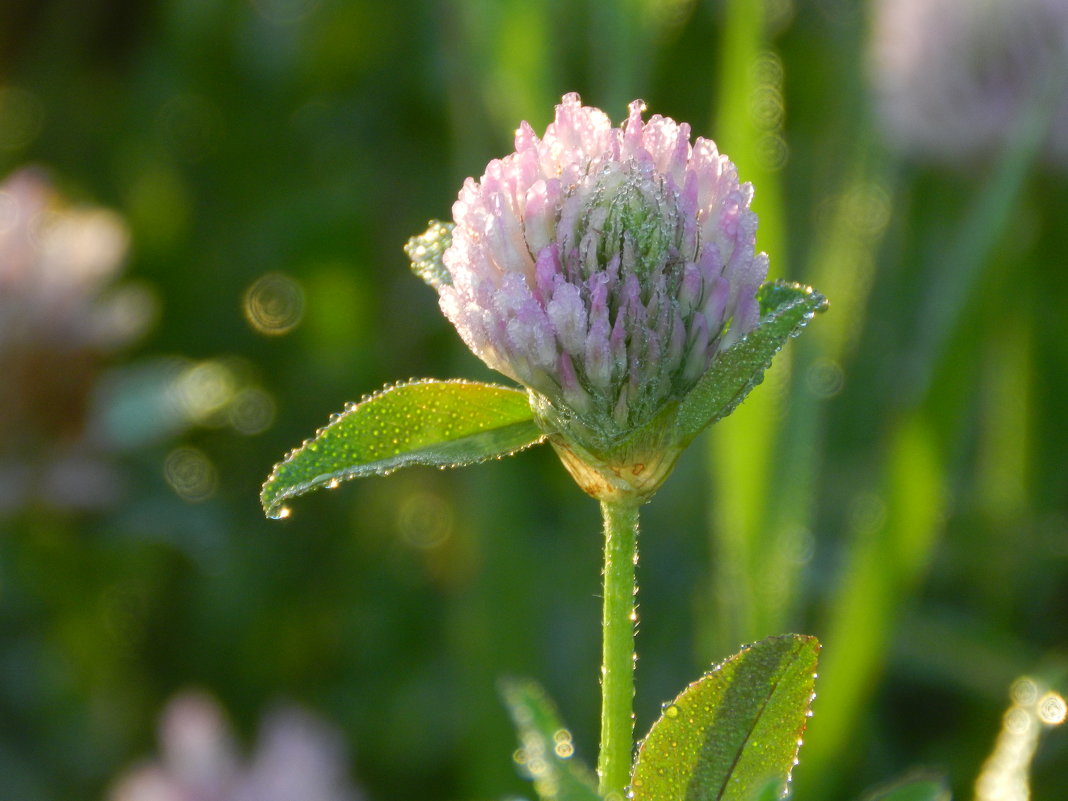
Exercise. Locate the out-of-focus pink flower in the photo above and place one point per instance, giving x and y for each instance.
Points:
(59, 318)
(57, 264)
(953, 77)
(603, 268)
(296, 757)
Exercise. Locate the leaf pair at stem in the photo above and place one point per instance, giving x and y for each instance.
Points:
(455, 423)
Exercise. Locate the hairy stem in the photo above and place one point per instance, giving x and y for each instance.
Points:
(617, 667)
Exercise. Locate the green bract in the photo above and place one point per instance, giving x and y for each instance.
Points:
(639, 461)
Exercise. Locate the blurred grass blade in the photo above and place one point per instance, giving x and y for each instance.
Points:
(546, 752)
(752, 132)
(749, 111)
(785, 309)
(895, 526)
(733, 731)
(438, 423)
(1006, 772)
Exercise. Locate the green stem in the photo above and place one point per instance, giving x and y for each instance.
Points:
(617, 668)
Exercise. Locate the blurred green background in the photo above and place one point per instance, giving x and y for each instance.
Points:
(898, 487)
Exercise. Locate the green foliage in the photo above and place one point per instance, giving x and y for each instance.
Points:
(921, 789)
(454, 423)
(546, 752)
(729, 734)
(438, 423)
(785, 310)
(312, 138)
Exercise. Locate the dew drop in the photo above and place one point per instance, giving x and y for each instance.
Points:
(671, 711)
(1024, 691)
(1052, 709)
(1016, 721)
(280, 513)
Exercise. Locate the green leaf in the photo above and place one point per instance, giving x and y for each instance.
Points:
(546, 752)
(771, 791)
(732, 732)
(785, 310)
(918, 789)
(426, 250)
(438, 423)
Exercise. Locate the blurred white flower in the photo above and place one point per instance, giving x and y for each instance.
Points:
(952, 78)
(57, 263)
(297, 758)
(60, 317)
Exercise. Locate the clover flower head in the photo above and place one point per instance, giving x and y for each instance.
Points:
(951, 78)
(612, 272)
(603, 268)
